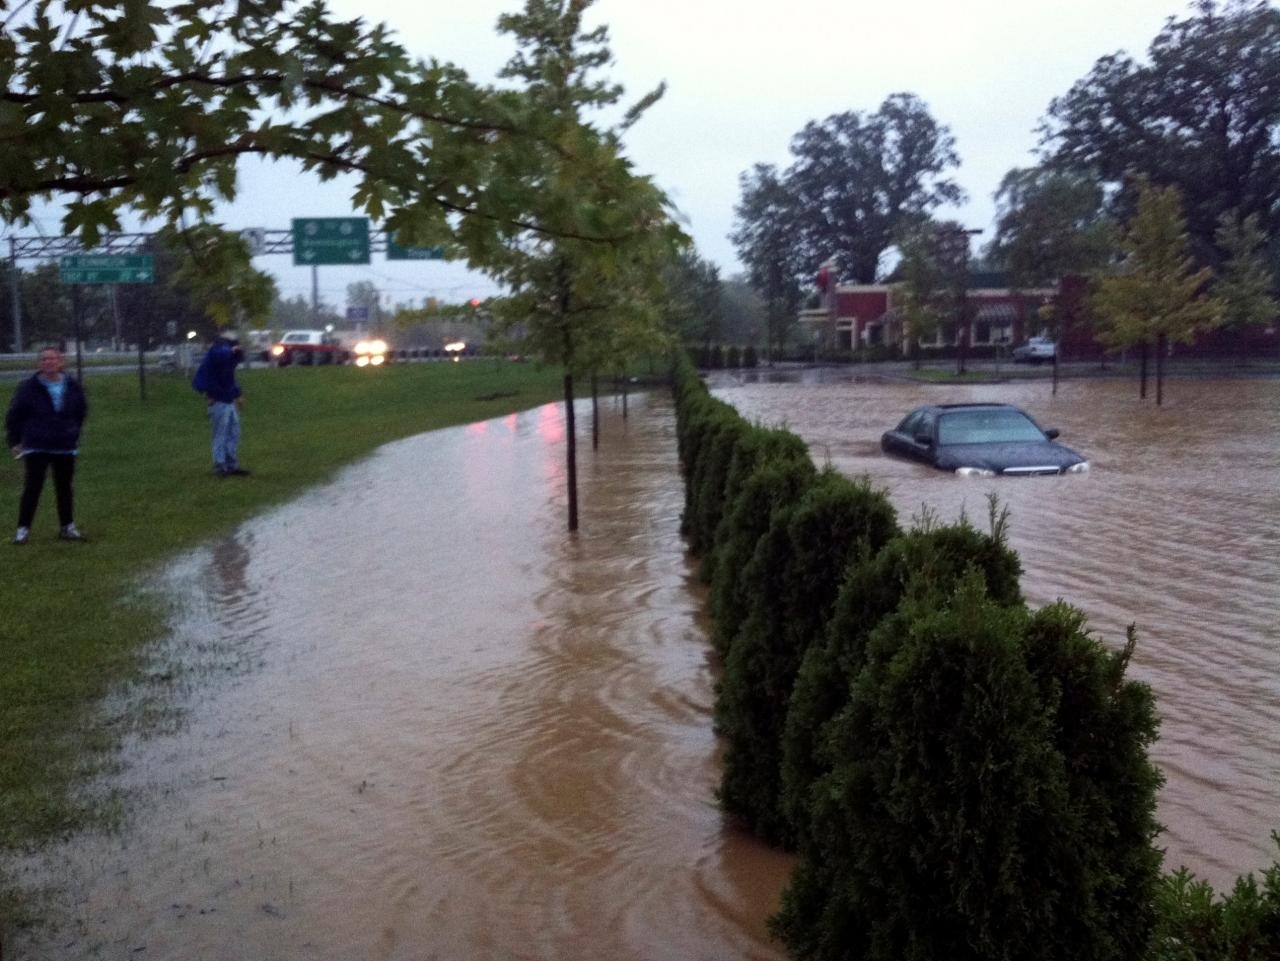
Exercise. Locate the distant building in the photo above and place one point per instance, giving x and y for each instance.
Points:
(850, 316)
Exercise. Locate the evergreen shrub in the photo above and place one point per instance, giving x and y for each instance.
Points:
(964, 810)
(776, 482)
(707, 486)
(927, 558)
(791, 583)
(1193, 925)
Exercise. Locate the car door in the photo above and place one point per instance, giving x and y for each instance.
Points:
(924, 427)
(897, 441)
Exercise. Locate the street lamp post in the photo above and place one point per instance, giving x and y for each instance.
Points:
(962, 327)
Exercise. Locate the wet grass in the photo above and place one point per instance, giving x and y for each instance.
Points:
(72, 625)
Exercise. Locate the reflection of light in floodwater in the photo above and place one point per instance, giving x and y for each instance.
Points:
(551, 423)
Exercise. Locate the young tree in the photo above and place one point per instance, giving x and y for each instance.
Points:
(933, 273)
(585, 267)
(1157, 296)
(1245, 285)
(919, 284)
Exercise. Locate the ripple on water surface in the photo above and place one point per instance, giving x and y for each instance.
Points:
(455, 732)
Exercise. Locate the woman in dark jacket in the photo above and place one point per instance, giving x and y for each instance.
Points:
(43, 429)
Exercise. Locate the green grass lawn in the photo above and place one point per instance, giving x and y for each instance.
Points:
(71, 624)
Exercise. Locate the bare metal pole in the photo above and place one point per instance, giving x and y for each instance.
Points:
(17, 298)
(315, 295)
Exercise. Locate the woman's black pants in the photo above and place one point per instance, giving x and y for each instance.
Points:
(64, 467)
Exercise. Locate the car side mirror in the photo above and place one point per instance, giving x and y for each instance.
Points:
(924, 439)
(1051, 433)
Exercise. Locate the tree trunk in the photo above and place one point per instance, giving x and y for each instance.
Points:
(1161, 344)
(595, 413)
(571, 452)
(1142, 367)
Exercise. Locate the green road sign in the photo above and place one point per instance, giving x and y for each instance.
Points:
(107, 269)
(330, 240)
(396, 252)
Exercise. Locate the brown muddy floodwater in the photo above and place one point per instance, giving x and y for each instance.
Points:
(421, 722)
(1177, 528)
(418, 721)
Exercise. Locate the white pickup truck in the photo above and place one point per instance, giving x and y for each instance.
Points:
(306, 347)
(1037, 350)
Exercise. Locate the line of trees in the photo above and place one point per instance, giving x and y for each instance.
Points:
(146, 109)
(1196, 126)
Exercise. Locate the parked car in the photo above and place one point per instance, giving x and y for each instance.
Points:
(1037, 350)
(981, 440)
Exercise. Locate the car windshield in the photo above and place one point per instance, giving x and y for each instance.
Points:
(992, 426)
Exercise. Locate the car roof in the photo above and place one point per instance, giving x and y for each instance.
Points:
(971, 407)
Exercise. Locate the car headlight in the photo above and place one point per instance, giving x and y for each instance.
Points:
(974, 472)
(1080, 468)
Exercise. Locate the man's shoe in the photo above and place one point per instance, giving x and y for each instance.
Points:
(22, 536)
(237, 472)
(71, 533)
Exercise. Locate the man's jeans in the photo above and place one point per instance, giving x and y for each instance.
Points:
(226, 436)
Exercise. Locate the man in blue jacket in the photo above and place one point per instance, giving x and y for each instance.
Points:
(43, 429)
(216, 379)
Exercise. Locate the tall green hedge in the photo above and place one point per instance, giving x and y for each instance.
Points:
(927, 559)
(963, 778)
(791, 584)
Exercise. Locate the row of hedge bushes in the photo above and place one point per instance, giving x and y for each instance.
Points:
(962, 777)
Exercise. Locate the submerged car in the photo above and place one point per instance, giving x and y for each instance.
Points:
(981, 440)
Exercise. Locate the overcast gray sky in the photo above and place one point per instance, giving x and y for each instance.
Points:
(742, 79)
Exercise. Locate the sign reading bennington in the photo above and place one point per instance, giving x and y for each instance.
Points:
(107, 269)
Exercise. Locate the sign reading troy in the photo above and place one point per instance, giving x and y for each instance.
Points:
(330, 240)
(107, 269)
(396, 252)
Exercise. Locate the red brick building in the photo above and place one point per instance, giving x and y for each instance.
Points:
(851, 316)
(864, 315)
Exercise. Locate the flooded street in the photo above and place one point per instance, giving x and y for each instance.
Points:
(420, 721)
(1177, 528)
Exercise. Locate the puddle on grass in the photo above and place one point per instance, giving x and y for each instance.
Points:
(420, 721)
